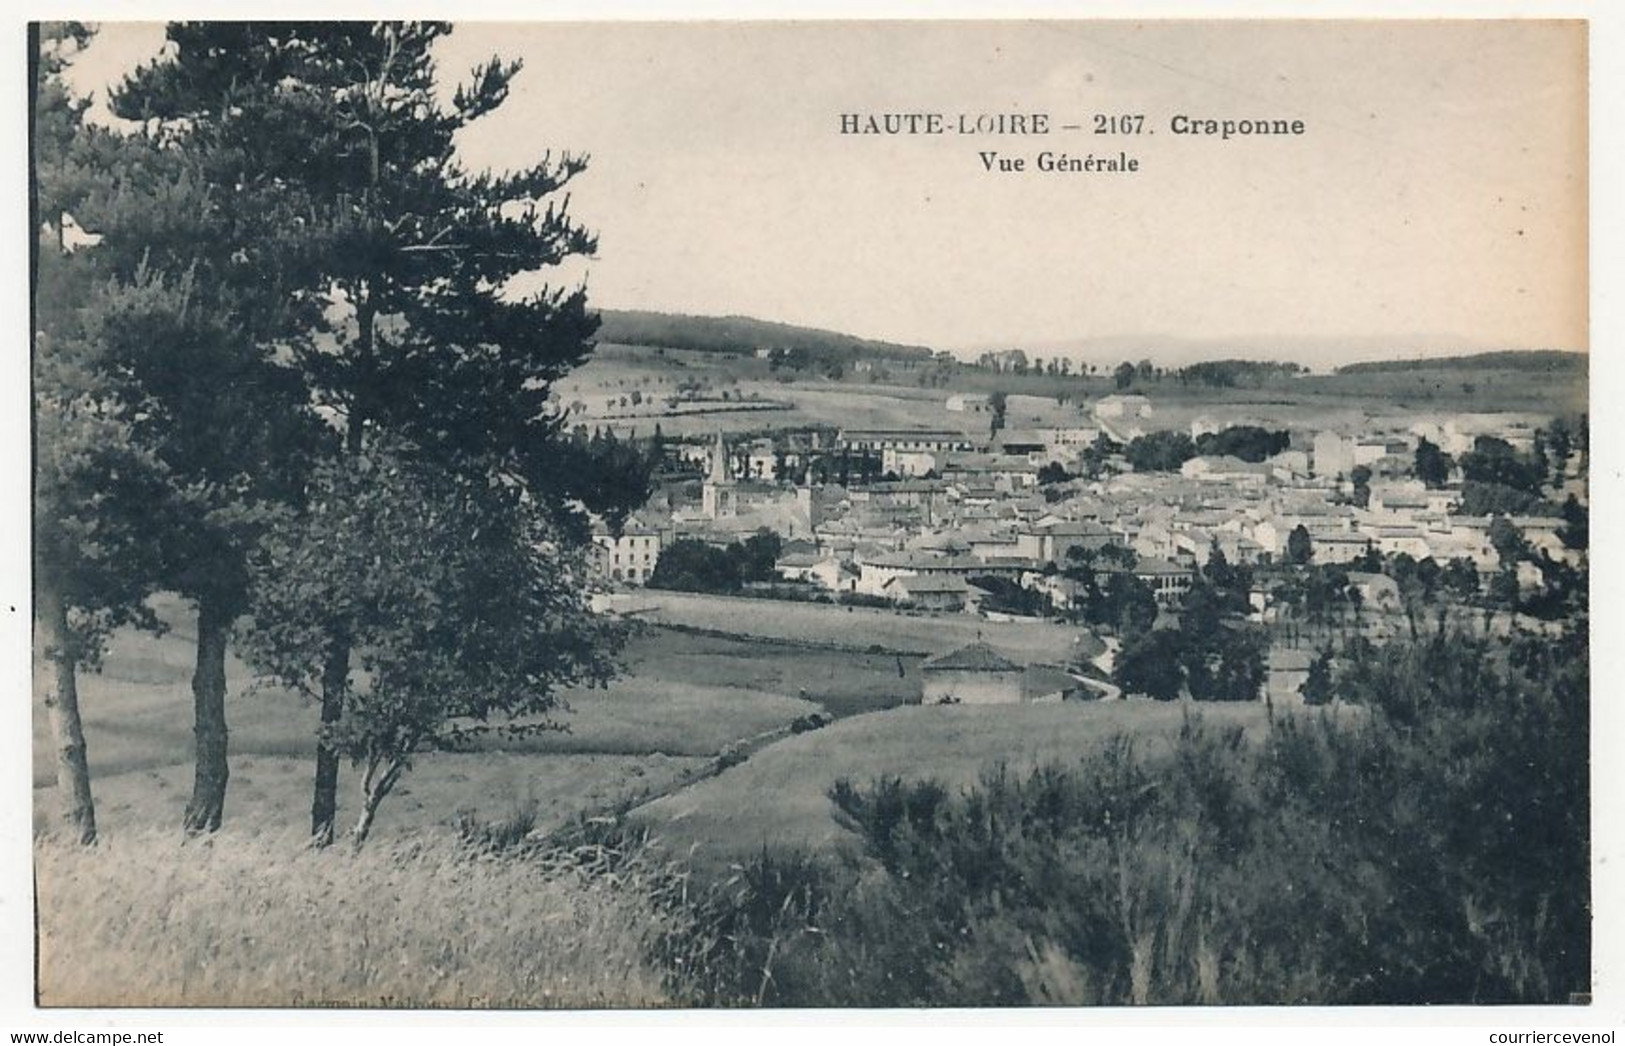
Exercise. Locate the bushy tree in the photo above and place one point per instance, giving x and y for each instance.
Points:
(758, 555)
(1098, 453)
(1508, 541)
(1128, 604)
(1461, 577)
(1300, 548)
(1162, 451)
(1232, 584)
(1318, 687)
(1053, 472)
(1250, 443)
(1486, 499)
(1432, 465)
(226, 423)
(463, 603)
(998, 403)
(1560, 440)
(1149, 664)
(1493, 460)
(688, 565)
(1234, 666)
(1361, 478)
(190, 353)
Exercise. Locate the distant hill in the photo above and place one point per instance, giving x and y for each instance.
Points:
(742, 335)
(1322, 354)
(1541, 361)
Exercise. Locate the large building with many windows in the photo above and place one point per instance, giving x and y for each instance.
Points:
(630, 555)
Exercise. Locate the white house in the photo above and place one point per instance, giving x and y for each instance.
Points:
(1125, 406)
(630, 555)
(824, 569)
(970, 403)
(762, 461)
(1333, 454)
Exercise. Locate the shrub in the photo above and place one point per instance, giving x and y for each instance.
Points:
(812, 721)
(732, 754)
(1428, 847)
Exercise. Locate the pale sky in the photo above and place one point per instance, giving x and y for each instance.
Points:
(1439, 192)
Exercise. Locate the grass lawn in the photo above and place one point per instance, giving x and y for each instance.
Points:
(780, 795)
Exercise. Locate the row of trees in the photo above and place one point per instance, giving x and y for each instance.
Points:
(283, 377)
(1166, 449)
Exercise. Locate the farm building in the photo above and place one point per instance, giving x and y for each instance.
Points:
(972, 675)
(931, 591)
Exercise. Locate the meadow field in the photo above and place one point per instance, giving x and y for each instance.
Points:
(850, 628)
(780, 796)
(894, 397)
(682, 699)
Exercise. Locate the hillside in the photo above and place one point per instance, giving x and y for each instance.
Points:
(742, 334)
(1548, 361)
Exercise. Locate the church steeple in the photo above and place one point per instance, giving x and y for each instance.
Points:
(719, 462)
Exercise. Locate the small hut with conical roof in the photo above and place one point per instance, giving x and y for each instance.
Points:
(972, 675)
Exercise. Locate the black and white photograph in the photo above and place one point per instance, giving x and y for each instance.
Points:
(900, 515)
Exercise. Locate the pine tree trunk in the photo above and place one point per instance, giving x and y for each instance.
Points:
(62, 702)
(325, 802)
(208, 802)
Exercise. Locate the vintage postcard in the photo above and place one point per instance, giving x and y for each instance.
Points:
(801, 515)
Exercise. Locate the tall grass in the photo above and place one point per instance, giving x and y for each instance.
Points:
(232, 920)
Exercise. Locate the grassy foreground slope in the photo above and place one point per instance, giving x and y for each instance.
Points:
(780, 796)
(241, 920)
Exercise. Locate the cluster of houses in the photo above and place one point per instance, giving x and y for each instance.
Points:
(957, 507)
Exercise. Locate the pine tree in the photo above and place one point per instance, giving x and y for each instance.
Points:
(95, 490)
(189, 297)
(411, 256)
